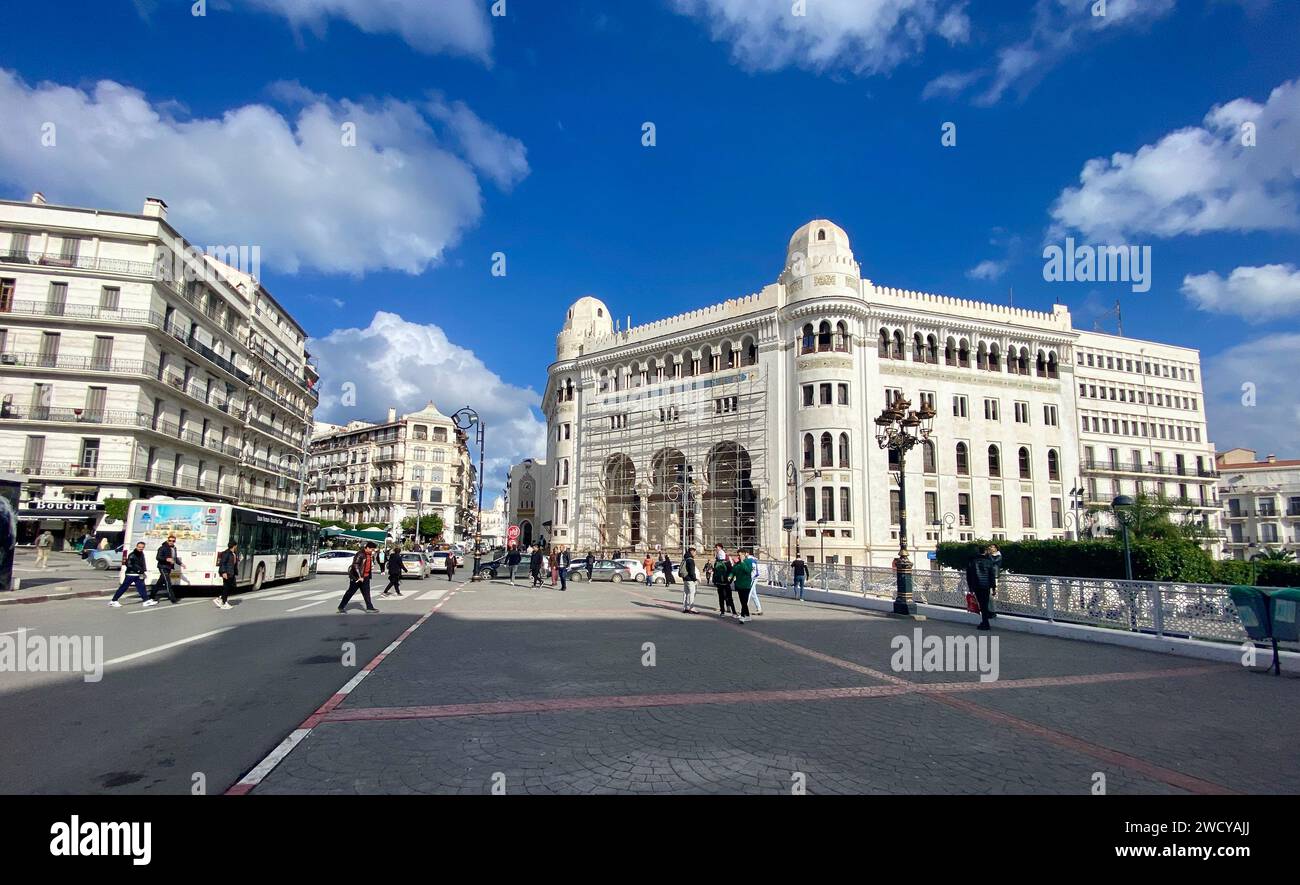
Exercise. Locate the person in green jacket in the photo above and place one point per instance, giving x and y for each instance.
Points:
(722, 581)
(742, 573)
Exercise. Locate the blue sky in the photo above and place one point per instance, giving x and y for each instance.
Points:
(522, 134)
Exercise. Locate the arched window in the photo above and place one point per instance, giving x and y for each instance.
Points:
(884, 344)
(1025, 471)
(950, 352)
(963, 354)
(995, 461)
(727, 356)
(1051, 366)
(688, 364)
(931, 349)
(898, 344)
(995, 358)
(750, 356)
(1053, 465)
(963, 460)
(844, 450)
(1023, 363)
(808, 342)
(604, 380)
(918, 348)
(706, 360)
(842, 336)
(821, 236)
(828, 450)
(1040, 365)
(927, 457)
(808, 451)
(824, 335)
(982, 356)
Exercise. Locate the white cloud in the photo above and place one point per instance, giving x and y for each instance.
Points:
(1060, 28)
(861, 36)
(1199, 179)
(988, 270)
(1253, 293)
(1270, 365)
(461, 27)
(397, 363)
(397, 200)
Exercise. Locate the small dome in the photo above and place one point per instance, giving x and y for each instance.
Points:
(820, 237)
(590, 316)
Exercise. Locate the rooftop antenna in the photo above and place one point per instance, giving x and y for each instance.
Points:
(1012, 290)
(1119, 319)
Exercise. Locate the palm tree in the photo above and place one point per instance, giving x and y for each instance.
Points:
(1274, 554)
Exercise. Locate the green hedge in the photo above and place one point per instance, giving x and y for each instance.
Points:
(1163, 560)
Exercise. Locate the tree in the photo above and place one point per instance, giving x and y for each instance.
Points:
(1274, 554)
(430, 526)
(115, 508)
(1152, 519)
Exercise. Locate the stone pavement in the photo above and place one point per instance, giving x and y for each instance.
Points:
(536, 691)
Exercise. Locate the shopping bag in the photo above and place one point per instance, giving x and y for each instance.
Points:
(972, 604)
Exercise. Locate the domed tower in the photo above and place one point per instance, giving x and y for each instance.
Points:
(819, 262)
(588, 318)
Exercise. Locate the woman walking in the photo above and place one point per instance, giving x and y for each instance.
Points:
(395, 568)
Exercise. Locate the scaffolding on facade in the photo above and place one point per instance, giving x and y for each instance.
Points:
(676, 463)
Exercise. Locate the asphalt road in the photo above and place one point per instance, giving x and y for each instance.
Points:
(186, 689)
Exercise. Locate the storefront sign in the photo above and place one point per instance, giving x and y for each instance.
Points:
(40, 508)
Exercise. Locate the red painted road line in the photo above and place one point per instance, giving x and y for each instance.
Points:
(1149, 770)
(688, 699)
(249, 782)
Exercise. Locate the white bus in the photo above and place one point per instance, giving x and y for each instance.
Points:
(271, 547)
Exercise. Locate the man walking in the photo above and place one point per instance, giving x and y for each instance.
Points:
(135, 569)
(562, 561)
(591, 564)
(535, 566)
(742, 573)
(981, 578)
(359, 577)
(166, 560)
(227, 570)
(648, 566)
(667, 566)
(799, 569)
(996, 556)
(451, 565)
(512, 562)
(722, 581)
(395, 568)
(688, 582)
(44, 544)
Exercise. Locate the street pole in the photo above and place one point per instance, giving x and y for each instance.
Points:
(898, 429)
(478, 522)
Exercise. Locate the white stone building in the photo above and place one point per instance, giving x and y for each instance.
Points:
(715, 425)
(1262, 499)
(133, 364)
(529, 501)
(366, 473)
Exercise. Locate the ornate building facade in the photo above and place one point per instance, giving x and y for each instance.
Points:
(731, 423)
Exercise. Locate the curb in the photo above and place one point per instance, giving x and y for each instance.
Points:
(52, 597)
(1200, 649)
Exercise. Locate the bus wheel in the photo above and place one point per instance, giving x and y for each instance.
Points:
(259, 577)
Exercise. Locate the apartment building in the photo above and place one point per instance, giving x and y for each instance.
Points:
(126, 364)
(1262, 503)
(366, 473)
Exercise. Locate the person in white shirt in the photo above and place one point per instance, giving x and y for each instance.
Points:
(754, 602)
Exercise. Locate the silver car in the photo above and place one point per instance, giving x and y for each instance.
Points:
(615, 570)
(417, 566)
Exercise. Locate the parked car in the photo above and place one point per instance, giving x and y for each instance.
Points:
(334, 562)
(417, 565)
(106, 559)
(615, 570)
(498, 568)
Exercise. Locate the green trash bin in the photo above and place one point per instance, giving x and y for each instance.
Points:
(1253, 609)
(1284, 614)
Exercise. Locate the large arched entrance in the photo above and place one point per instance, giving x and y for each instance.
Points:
(621, 525)
(731, 504)
(670, 501)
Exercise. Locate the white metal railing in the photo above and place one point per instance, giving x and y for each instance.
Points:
(1162, 608)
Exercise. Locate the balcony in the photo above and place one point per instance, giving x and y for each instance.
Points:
(288, 371)
(129, 317)
(78, 262)
(115, 418)
(1148, 469)
(118, 472)
(271, 430)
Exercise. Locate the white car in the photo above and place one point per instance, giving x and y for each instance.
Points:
(334, 562)
(417, 566)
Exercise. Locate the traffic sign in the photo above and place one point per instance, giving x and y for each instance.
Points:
(512, 534)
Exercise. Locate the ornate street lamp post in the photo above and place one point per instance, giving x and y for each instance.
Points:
(1122, 507)
(898, 429)
(465, 419)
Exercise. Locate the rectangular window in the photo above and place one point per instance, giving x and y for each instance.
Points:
(1022, 413)
(810, 505)
(828, 504)
(826, 395)
(1050, 416)
(109, 297)
(891, 394)
(89, 453)
(991, 410)
(959, 409)
(995, 507)
(96, 399)
(808, 395)
(894, 510)
(931, 508)
(33, 454)
(846, 504)
(1027, 512)
(844, 394)
(963, 508)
